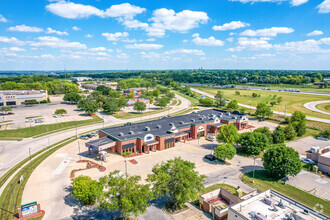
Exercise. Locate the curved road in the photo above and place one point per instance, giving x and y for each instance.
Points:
(312, 106)
(12, 152)
(275, 112)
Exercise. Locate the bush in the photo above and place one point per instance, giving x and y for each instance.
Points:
(278, 135)
(31, 102)
(43, 101)
(224, 151)
(86, 190)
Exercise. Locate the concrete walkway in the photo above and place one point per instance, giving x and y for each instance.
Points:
(275, 112)
(312, 106)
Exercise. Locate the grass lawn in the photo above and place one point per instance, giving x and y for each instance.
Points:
(288, 99)
(307, 88)
(33, 117)
(127, 115)
(262, 182)
(324, 107)
(193, 100)
(174, 102)
(41, 130)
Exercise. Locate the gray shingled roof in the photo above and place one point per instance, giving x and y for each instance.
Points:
(100, 142)
(160, 127)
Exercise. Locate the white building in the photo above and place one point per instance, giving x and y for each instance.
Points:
(19, 97)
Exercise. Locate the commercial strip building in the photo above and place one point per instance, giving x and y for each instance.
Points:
(93, 86)
(161, 134)
(322, 158)
(131, 102)
(255, 205)
(19, 97)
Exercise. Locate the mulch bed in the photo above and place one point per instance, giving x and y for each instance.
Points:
(133, 161)
(89, 165)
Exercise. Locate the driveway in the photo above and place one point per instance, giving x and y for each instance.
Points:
(311, 106)
(312, 183)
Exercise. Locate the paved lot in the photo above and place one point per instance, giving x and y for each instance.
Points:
(52, 176)
(259, 124)
(44, 112)
(304, 144)
(312, 183)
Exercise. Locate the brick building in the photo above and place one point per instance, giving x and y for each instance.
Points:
(161, 134)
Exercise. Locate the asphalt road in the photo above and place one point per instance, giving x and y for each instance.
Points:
(275, 112)
(311, 106)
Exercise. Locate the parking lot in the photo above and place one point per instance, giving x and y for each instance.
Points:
(304, 144)
(44, 112)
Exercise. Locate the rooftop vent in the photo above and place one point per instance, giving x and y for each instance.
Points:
(147, 128)
(131, 132)
(158, 126)
(201, 118)
(181, 122)
(171, 124)
(192, 120)
(228, 113)
(234, 117)
(121, 134)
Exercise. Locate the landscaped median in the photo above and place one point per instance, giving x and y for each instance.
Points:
(41, 130)
(262, 182)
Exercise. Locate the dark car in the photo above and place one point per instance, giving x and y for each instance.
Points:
(262, 119)
(10, 113)
(210, 157)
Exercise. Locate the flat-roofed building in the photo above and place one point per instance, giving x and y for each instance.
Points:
(322, 158)
(161, 134)
(273, 206)
(19, 97)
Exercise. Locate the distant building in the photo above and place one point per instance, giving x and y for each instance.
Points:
(322, 158)
(80, 79)
(93, 86)
(131, 102)
(137, 92)
(19, 97)
(272, 205)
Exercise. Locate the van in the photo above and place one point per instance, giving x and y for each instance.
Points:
(314, 149)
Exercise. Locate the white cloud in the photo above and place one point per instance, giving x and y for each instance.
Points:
(267, 32)
(230, 39)
(324, 7)
(307, 46)
(12, 40)
(3, 19)
(292, 2)
(185, 41)
(89, 36)
(16, 49)
(230, 26)
(151, 39)
(315, 33)
(211, 41)
(47, 56)
(251, 44)
(75, 28)
(24, 28)
(72, 10)
(144, 46)
(115, 36)
(133, 23)
(167, 19)
(54, 42)
(98, 49)
(52, 31)
(186, 51)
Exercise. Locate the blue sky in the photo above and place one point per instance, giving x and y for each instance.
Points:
(216, 34)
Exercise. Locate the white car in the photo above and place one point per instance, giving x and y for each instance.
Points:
(57, 116)
(29, 120)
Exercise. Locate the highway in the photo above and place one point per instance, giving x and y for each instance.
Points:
(275, 112)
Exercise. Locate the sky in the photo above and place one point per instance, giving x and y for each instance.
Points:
(171, 34)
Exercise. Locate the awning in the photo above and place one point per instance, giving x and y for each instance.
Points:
(128, 145)
(181, 134)
(152, 142)
(218, 125)
(102, 142)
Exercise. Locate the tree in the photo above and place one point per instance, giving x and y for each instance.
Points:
(263, 110)
(242, 109)
(237, 93)
(267, 132)
(60, 111)
(325, 133)
(280, 160)
(232, 105)
(70, 87)
(176, 179)
(156, 92)
(326, 83)
(86, 190)
(90, 106)
(105, 90)
(140, 106)
(6, 109)
(224, 151)
(72, 97)
(290, 132)
(228, 134)
(206, 102)
(278, 135)
(125, 194)
(111, 106)
(253, 143)
(220, 99)
(272, 103)
(299, 122)
(162, 102)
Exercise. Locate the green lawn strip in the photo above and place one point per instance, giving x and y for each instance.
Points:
(128, 115)
(33, 117)
(182, 112)
(179, 103)
(194, 101)
(41, 130)
(174, 102)
(262, 182)
(6, 201)
(324, 107)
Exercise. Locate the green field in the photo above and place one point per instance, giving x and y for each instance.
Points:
(324, 107)
(41, 130)
(263, 183)
(307, 88)
(288, 99)
(193, 100)
(128, 115)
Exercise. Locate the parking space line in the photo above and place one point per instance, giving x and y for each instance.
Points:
(323, 194)
(5, 158)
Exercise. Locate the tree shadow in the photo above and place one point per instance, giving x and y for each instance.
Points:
(92, 213)
(250, 168)
(159, 202)
(209, 146)
(70, 200)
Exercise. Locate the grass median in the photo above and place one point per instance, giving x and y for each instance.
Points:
(41, 130)
(128, 115)
(194, 101)
(262, 182)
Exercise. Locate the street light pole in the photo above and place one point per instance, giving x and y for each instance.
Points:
(30, 157)
(254, 165)
(79, 150)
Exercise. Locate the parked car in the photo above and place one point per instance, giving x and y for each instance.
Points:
(262, 119)
(308, 161)
(210, 157)
(57, 116)
(322, 138)
(29, 120)
(10, 113)
(84, 137)
(95, 133)
(38, 121)
(90, 135)
(210, 138)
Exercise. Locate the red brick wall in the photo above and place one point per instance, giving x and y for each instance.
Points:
(101, 134)
(139, 144)
(119, 145)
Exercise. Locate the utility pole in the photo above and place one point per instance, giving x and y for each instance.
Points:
(30, 157)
